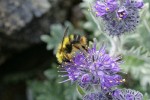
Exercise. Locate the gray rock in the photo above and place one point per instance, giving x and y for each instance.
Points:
(15, 14)
(26, 21)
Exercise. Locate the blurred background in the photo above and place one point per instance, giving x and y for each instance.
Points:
(30, 31)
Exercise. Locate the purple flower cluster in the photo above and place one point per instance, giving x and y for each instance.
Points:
(119, 16)
(118, 94)
(102, 8)
(94, 67)
(96, 71)
(127, 94)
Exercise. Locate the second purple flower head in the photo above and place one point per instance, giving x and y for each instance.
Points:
(119, 16)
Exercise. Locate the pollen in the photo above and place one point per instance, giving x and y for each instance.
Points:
(107, 9)
(110, 81)
(100, 54)
(105, 88)
(119, 18)
(124, 80)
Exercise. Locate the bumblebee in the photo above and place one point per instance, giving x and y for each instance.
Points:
(69, 46)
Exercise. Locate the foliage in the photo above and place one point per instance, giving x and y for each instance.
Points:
(134, 48)
(136, 51)
(50, 89)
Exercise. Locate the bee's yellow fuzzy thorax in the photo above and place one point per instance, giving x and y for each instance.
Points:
(60, 52)
(65, 42)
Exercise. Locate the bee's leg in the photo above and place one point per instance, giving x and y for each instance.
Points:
(76, 46)
(81, 48)
(67, 56)
(85, 48)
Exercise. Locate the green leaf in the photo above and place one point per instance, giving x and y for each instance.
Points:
(80, 90)
(146, 97)
(137, 63)
(45, 38)
(51, 74)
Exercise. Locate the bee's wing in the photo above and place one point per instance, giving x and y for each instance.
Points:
(65, 33)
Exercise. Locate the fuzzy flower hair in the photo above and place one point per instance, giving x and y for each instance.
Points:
(127, 94)
(118, 94)
(94, 67)
(119, 16)
(95, 96)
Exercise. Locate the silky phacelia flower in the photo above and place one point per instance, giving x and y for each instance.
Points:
(101, 8)
(95, 96)
(124, 17)
(139, 3)
(127, 94)
(94, 67)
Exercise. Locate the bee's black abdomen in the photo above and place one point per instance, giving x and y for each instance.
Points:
(68, 48)
(76, 39)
